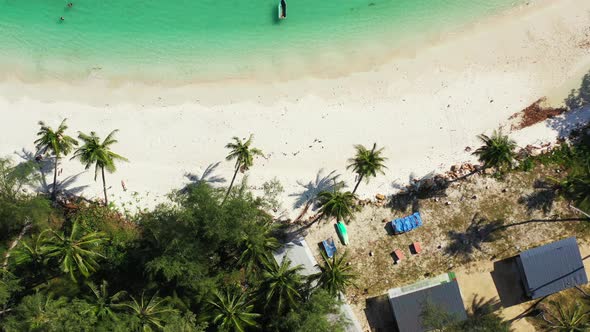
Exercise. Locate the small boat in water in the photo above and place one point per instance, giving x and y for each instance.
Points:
(282, 9)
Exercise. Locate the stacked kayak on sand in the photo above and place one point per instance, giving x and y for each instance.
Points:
(342, 232)
(406, 224)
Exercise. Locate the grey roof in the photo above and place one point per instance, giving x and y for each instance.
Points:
(407, 308)
(551, 268)
(300, 254)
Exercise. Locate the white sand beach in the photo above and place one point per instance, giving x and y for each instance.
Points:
(424, 106)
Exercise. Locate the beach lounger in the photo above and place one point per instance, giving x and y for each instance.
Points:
(417, 247)
(329, 247)
(399, 255)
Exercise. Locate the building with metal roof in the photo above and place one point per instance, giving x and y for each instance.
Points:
(408, 302)
(551, 268)
(299, 253)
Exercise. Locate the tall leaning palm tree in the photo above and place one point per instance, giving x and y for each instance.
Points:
(77, 252)
(366, 163)
(335, 274)
(232, 311)
(244, 155)
(281, 285)
(336, 204)
(497, 151)
(55, 143)
(93, 152)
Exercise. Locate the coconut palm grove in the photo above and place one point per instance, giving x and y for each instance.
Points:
(202, 261)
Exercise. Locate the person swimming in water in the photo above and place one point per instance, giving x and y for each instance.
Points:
(61, 18)
(70, 4)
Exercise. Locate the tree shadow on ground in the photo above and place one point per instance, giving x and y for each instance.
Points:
(578, 103)
(207, 176)
(480, 306)
(379, 314)
(307, 198)
(428, 186)
(45, 166)
(581, 96)
(479, 231)
(541, 199)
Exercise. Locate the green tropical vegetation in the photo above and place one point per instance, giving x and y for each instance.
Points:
(335, 274)
(244, 155)
(366, 163)
(497, 151)
(93, 152)
(336, 204)
(201, 260)
(55, 143)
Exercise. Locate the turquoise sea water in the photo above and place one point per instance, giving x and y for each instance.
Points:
(187, 40)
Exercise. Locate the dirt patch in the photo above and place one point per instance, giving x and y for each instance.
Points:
(534, 114)
(476, 221)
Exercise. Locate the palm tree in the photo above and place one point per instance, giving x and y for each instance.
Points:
(562, 319)
(257, 244)
(336, 204)
(56, 143)
(103, 303)
(32, 252)
(149, 312)
(281, 285)
(576, 186)
(497, 152)
(232, 311)
(366, 163)
(99, 154)
(244, 156)
(335, 274)
(77, 252)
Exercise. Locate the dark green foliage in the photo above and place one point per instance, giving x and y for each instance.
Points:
(366, 163)
(336, 204)
(17, 205)
(321, 313)
(232, 311)
(282, 286)
(498, 151)
(335, 274)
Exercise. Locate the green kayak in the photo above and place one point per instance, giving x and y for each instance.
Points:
(342, 232)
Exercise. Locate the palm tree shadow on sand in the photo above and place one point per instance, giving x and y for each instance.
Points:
(45, 168)
(208, 176)
(308, 197)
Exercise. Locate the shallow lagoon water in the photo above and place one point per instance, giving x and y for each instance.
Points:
(188, 40)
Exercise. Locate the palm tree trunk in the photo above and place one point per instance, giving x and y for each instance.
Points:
(53, 193)
(357, 184)
(303, 212)
(104, 188)
(231, 184)
(14, 243)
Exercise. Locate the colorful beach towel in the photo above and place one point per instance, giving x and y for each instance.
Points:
(329, 247)
(405, 224)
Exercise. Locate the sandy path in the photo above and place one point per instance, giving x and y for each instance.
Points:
(423, 107)
(477, 281)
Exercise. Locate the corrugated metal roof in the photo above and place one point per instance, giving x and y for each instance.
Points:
(407, 308)
(553, 267)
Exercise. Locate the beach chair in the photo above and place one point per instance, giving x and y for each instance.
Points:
(417, 247)
(399, 256)
(329, 247)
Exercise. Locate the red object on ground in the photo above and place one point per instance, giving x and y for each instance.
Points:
(417, 247)
(398, 255)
